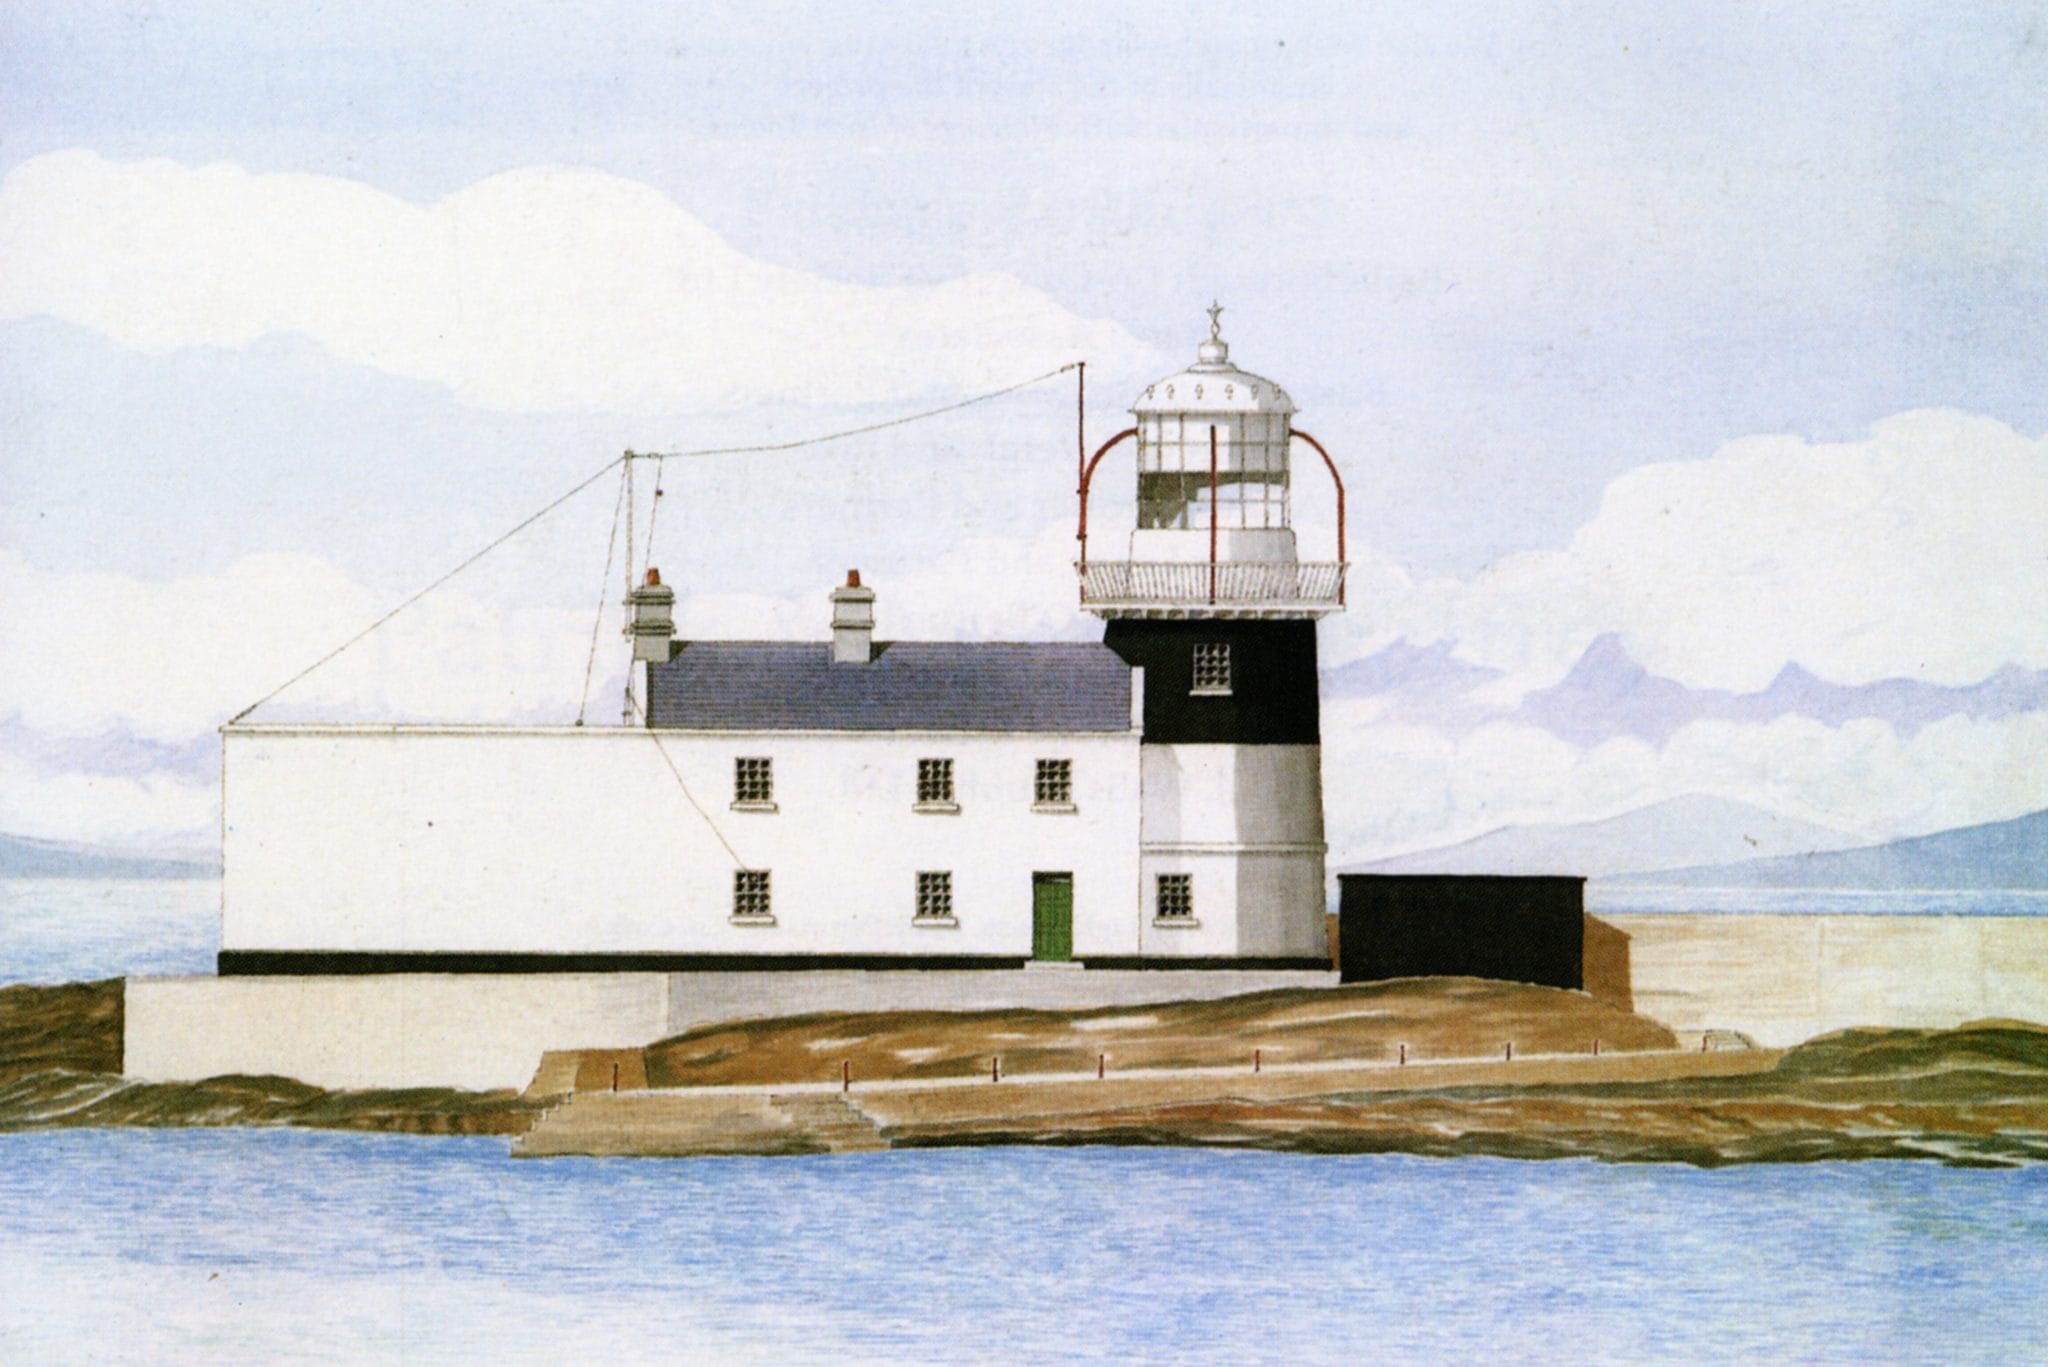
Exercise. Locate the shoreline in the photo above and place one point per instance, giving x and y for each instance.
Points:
(1975, 1095)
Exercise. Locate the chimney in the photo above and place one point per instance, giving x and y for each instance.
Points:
(853, 622)
(654, 625)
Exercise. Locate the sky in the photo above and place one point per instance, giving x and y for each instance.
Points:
(1687, 366)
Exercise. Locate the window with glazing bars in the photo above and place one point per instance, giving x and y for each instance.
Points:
(934, 896)
(1176, 897)
(750, 893)
(753, 780)
(935, 780)
(1054, 785)
(1212, 667)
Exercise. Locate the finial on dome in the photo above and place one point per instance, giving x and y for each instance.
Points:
(1215, 351)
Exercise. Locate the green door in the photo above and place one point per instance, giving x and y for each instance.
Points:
(1052, 916)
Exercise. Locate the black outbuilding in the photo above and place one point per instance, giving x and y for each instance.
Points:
(1528, 930)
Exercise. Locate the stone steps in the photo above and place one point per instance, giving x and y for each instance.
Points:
(678, 1124)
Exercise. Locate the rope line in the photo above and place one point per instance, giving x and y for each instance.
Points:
(585, 484)
(655, 736)
(858, 431)
(611, 547)
(627, 460)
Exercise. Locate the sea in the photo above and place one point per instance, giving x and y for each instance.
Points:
(260, 1246)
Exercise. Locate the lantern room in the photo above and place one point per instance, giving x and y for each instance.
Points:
(1213, 534)
(1212, 456)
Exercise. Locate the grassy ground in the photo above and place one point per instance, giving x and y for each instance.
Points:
(1433, 1017)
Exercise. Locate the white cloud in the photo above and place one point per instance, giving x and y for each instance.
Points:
(168, 659)
(1389, 789)
(1917, 552)
(149, 810)
(540, 289)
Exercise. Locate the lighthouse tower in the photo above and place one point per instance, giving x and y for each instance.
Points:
(1214, 604)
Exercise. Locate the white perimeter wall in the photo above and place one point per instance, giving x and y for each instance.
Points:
(1783, 979)
(1246, 821)
(563, 840)
(473, 1031)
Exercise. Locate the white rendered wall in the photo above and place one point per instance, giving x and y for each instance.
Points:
(472, 1031)
(568, 840)
(1246, 822)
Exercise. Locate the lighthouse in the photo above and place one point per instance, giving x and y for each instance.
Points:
(1212, 601)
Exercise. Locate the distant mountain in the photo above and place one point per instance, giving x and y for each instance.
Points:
(2002, 854)
(1678, 833)
(26, 857)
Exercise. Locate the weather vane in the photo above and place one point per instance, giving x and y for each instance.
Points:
(1215, 321)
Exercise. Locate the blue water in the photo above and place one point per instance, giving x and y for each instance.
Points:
(60, 930)
(251, 1246)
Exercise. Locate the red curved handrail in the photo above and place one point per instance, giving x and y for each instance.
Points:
(1337, 480)
(1088, 474)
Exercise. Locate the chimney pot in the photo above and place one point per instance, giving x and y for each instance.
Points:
(653, 577)
(853, 579)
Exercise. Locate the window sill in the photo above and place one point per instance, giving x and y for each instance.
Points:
(1056, 807)
(936, 922)
(755, 807)
(750, 920)
(939, 808)
(1176, 922)
(1208, 692)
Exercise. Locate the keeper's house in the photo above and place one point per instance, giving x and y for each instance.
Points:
(788, 826)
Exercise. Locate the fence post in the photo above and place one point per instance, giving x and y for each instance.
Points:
(1255, 1059)
(1596, 1046)
(846, 1075)
(995, 1069)
(615, 1076)
(1101, 1066)
(1511, 1051)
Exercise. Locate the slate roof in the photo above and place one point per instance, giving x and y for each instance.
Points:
(908, 686)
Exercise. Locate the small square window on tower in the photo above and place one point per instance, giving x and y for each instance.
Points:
(1054, 784)
(753, 782)
(1176, 897)
(1212, 667)
(935, 783)
(935, 896)
(750, 896)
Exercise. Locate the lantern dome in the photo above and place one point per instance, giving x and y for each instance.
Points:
(1213, 385)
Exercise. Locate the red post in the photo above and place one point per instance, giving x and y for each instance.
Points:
(1215, 513)
(1101, 1066)
(1404, 1056)
(995, 1070)
(1703, 1044)
(845, 1075)
(1338, 480)
(1511, 1051)
(1596, 1046)
(1088, 474)
(1255, 1059)
(615, 1077)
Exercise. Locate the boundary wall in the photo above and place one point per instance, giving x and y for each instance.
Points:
(482, 1032)
(1781, 979)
